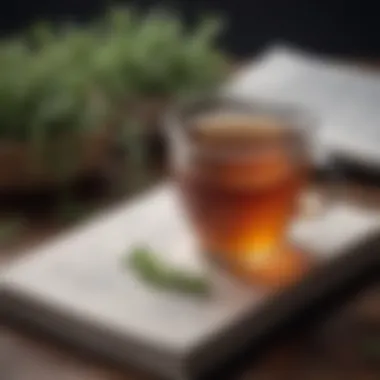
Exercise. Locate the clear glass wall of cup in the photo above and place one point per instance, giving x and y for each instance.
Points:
(241, 168)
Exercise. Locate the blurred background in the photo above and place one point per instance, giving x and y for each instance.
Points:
(83, 87)
(337, 27)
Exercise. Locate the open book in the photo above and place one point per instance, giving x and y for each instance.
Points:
(77, 288)
(345, 98)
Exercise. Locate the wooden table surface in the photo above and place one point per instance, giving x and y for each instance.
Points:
(340, 339)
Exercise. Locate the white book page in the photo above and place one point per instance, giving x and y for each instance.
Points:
(344, 98)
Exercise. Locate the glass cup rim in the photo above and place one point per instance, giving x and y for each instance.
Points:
(299, 116)
(294, 116)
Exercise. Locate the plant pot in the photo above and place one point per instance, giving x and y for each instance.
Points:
(22, 167)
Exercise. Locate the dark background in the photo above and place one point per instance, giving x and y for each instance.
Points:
(342, 28)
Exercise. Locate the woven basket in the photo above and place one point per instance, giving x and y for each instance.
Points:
(21, 167)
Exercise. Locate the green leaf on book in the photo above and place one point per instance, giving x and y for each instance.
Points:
(163, 275)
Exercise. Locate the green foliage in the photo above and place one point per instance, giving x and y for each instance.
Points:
(155, 55)
(48, 92)
(60, 83)
(16, 98)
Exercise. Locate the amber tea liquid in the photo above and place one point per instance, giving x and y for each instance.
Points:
(241, 190)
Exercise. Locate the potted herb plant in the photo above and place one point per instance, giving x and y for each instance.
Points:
(52, 118)
(65, 94)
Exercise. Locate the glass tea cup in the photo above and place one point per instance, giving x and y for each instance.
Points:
(242, 168)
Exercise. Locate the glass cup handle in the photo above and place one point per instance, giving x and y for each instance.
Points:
(317, 201)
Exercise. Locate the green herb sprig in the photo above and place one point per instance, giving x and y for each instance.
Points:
(162, 275)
